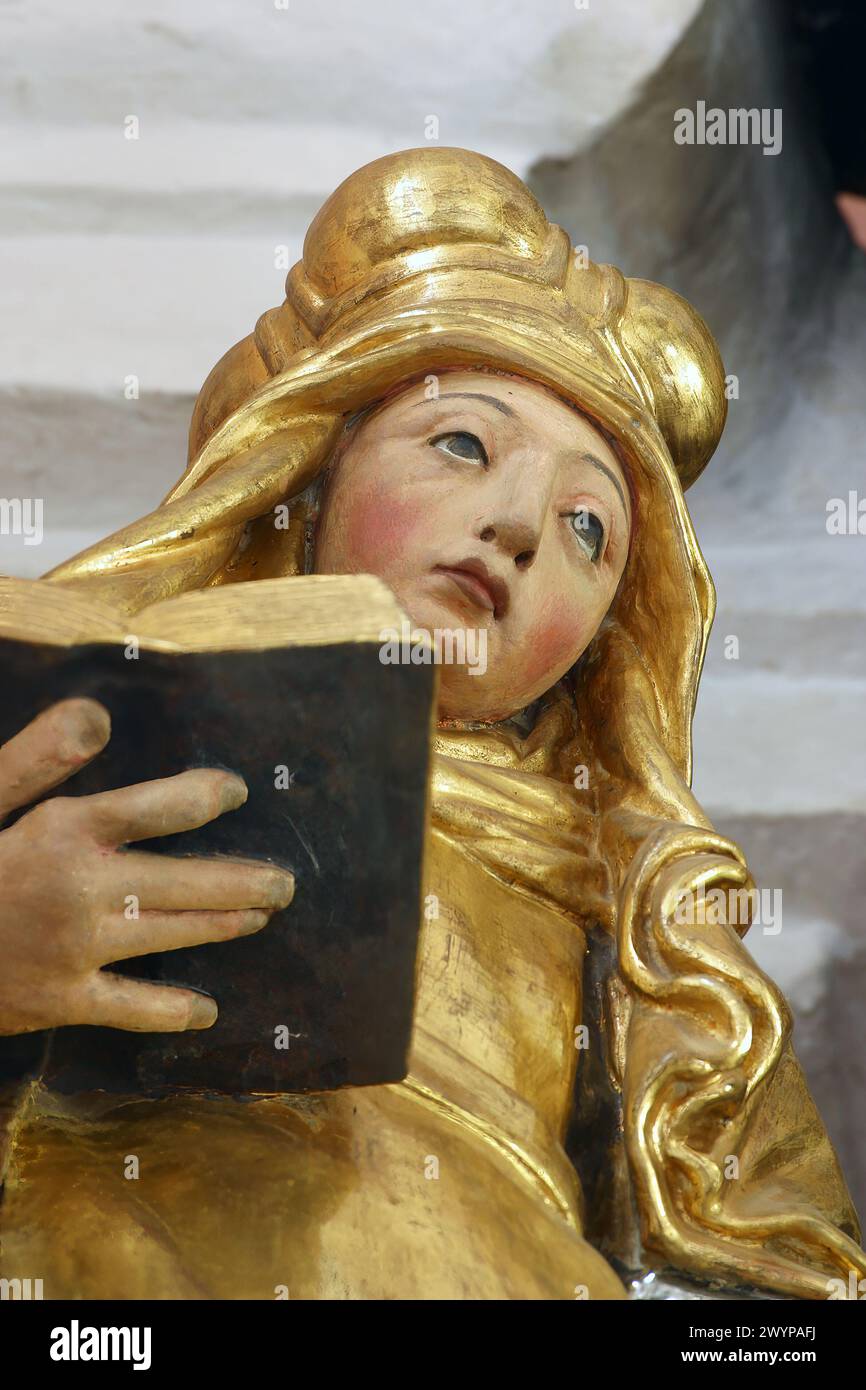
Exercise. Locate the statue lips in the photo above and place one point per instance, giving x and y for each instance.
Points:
(478, 584)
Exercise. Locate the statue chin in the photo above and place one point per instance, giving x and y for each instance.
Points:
(461, 699)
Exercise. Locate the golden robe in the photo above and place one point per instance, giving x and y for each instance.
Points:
(452, 1184)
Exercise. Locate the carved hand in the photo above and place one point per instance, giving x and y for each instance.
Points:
(68, 891)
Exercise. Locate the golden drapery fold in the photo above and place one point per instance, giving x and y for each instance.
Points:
(436, 259)
(734, 1174)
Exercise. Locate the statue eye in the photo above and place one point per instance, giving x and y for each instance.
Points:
(589, 532)
(461, 446)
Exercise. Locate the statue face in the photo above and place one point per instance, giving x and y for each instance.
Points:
(495, 509)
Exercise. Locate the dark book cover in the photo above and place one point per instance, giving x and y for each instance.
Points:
(333, 974)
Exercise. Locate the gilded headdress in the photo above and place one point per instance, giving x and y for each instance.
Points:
(454, 247)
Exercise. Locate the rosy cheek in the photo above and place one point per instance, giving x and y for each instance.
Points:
(553, 642)
(378, 528)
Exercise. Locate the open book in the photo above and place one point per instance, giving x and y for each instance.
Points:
(281, 681)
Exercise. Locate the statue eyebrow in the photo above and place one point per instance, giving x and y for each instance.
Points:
(597, 463)
(475, 396)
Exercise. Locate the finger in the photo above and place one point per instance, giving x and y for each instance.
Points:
(113, 1001)
(164, 806)
(52, 747)
(161, 882)
(168, 931)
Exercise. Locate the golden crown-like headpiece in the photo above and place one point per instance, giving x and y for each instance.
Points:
(446, 237)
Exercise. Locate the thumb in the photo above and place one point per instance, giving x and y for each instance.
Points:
(53, 746)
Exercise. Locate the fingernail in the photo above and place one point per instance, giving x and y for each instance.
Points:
(234, 794)
(254, 921)
(203, 1012)
(88, 728)
(283, 890)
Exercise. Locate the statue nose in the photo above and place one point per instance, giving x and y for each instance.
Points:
(517, 539)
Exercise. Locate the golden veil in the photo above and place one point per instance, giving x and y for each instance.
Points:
(437, 258)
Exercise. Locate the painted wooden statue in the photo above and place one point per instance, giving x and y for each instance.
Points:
(602, 1081)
